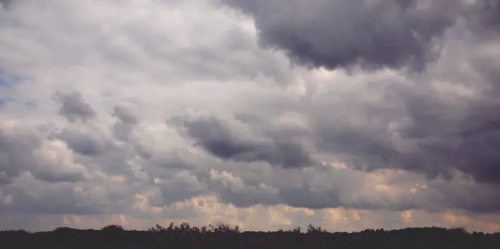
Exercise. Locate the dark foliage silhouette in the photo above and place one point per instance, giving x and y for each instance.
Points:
(220, 235)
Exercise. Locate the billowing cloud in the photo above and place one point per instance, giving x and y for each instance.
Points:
(73, 106)
(235, 140)
(126, 121)
(14, 148)
(346, 114)
(4, 3)
(49, 161)
(342, 34)
(81, 142)
(430, 126)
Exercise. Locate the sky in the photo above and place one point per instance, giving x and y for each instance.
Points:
(267, 114)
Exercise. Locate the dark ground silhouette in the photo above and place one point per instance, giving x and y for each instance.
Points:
(224, 236)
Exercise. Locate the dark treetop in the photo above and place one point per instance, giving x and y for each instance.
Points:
(225, 236)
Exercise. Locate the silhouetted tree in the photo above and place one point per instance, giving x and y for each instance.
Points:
(221, 235)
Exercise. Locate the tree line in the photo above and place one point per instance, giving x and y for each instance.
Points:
(221, 236)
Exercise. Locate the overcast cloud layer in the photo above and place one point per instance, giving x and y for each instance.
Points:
(263, 113)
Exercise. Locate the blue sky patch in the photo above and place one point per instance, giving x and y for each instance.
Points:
(2, 81)
(5, 100)
(7, 80)
(30, 104)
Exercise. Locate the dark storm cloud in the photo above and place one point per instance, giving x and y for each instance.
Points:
(216, 137)
(4, 3)
(411, 128)
(477, 154)
(343, 33)
(15, 152)
(73, 106)
(124, 114)
(248, 194)
(39, 199)
(420, 133)
(126, 120)
(302, 198)
(463, 135)
(56, 176)
(475, 198)
(486, 13)
(434, 136)
(82, 143)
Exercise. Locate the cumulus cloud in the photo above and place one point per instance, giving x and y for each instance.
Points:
(430, 126)
(14, 150)
(126, 121)
(73, 106)
(235, 140)
(82, 142)
(56, 164)
(341, 34)
(181, 186)
(49, 161)
(5, 3)
(250, 133)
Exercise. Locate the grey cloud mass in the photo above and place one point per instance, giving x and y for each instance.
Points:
(419, 132)
(344, 33)
(126, 121)
(82, 143)
(73, 106)
(124, 114)
(14, 150)
(239, 144)
(22, 153)
(355, 109)
(4, 3)
(412, 129)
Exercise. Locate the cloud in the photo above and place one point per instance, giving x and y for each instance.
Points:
(234, 140)
(5, 3)
(341, 34)
(56, 164)
(126, 121)
(431, 124)
(81, 142)
(124, 114)
(485, 13)
(252, 137)
(181, 186)
(14, 150)
(73, 106)
(49, 161)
